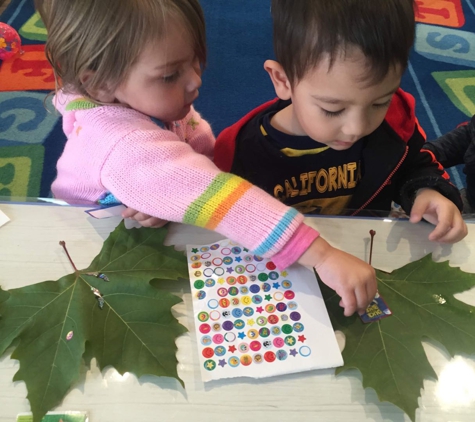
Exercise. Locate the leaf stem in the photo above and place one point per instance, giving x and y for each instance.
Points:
(63, 244)
(371, 233)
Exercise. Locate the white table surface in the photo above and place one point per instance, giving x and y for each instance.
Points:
(29, 253)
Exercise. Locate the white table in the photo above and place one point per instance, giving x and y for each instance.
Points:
(29, 253)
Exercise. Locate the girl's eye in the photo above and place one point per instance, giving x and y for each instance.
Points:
(171, 78)
(332, 113)
(382, 105)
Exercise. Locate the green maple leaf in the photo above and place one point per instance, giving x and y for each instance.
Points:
(389, 352)
(134, 331)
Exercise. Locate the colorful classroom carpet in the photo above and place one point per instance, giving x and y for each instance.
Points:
(440, 75)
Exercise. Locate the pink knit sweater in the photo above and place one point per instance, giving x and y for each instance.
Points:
(169, 174)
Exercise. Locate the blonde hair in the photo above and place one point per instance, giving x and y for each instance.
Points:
(104, 38)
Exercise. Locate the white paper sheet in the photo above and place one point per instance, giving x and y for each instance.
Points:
(3, 219)
(254, 320)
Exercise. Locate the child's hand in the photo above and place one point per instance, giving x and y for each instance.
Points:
(442, 213)
(352, 279)
(144, 220)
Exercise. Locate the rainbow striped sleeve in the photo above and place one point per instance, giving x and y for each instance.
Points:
(210, 208)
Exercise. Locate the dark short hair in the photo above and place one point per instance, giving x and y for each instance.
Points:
(306, 31)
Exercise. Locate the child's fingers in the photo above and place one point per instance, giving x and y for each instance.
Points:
(349, 302)
(129, 213)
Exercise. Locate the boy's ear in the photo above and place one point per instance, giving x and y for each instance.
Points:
(278, 77)
(102, 95)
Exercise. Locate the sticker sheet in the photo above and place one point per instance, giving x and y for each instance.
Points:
(252, 319)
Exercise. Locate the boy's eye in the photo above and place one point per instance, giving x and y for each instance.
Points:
(332, 113)
(170, 78)
(382, 105)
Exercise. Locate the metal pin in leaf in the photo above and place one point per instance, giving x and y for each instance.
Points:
(98, 275)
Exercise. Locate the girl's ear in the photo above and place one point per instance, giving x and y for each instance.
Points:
(278, 77)
(102, 95)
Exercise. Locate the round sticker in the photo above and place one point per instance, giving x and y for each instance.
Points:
(214, 315)
(228, 325)
(203, 316)
(281, 355)
(227, 260)
(253, 333)
(216, 326)
(205, 255)
(199, 284)
(231, 280)
(269, 356)
(218, 338)
(250, 268)
(236, 250)
(246, 360)
(214, 247)
(273, 319)
(258, 258)
(284, 317)
(237, 313)
(207, 352)
(290, 340)
(248, 258)
(219, 271)
(226, 314)
(289, 294)
(295, 316)
(239, 324)
(244, 290)
(263, 277)
(298, 327)
(246, 300)
(195, 258)
(219, 351)
(235, 301)
(264, 332)
(208, 272)
(286, 284)
(209, 282)
(242, 279)
(217, 262)
(270, 308)
(230, 337)
(252, 277)
(207, 263)
(204, 249)
(224, 303)
(270, 266)
(278, 342)
(266, 287)
(206, 340)
(257, 299)
(292, 305)
(240, 269)
(196, 265)
(222, 292)
(205, 328)
(261, 320)
(226, 251)
(273, 275)
(275, 330)
(305, 351)
(248, 311)
(281, 307)
(255, 288)
(233, 361)
(233, 290)
(267, 344)
(243, 347)
(198, 273)
(258, 358)
(210, 365)
(201, 294)
(278, 296)
(286, 329)
(255, 346)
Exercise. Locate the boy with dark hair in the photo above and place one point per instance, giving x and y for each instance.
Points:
(458, 147)
(342, 134)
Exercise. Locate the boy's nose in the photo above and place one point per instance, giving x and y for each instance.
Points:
(355, 127)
